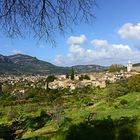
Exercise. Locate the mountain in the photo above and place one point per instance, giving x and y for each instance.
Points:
(4, 59)
(136, 65)
(25, 64)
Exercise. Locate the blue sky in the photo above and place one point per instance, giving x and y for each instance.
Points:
(113, 37)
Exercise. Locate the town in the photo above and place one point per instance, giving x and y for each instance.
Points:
(97, 79)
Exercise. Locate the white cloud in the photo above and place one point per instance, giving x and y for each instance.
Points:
(102, 53)
(77, 40)
(15, 51)
(99, 43)
(76, 49)
(58, 60)
(130, 31)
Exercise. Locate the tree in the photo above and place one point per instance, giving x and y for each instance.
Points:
(42, 18)
(117, 89)
(82, 77)
(49, 79)
(134, 83)
(72, 74)
(116, 68)
(0, 87)
(67, 76)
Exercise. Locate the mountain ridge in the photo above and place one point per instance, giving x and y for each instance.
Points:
(25, 64)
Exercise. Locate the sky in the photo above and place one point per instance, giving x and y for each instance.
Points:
(112, 38)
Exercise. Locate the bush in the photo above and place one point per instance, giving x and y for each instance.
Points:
(106, 129)
(13, 114)
(118, 89)
(32, 109)
(37, 122)
(134, 83)
(82, 77)
(7, 133)
(123, 102)
(88, 101)
(116, 68)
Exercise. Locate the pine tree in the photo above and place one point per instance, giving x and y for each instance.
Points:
(67, 76)
(72, 74)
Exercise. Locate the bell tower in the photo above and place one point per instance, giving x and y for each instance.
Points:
(129, 66)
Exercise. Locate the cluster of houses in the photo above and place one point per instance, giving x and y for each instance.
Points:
(98, 79)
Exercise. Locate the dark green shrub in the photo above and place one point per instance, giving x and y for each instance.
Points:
(72, 75)
(7, 133)
(116, 68)
(134, 83)
(37, 122)
(32, 109)
(88, 101)
(123, 102)
(117, 89)
(13, 114)
(106, 129)
(82, 77)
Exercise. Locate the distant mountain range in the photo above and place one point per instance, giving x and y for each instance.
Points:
(25, 64)
(136, 65)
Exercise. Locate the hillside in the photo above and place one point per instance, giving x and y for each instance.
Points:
(89, 68)
(25, 64)
(84, 113)
(136, 65)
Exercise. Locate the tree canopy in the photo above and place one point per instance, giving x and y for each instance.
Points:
(42, 18)
(116, 68)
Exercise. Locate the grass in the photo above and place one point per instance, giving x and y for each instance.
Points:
(76, 111)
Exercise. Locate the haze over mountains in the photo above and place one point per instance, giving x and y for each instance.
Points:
(25, 64)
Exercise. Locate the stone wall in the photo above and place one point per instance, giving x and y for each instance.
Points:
(137, 69)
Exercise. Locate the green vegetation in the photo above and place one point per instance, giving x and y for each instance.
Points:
(50, 79)
(116, 68)
(67, 76)
(85, 113)
(82, 77)
(134, 83)
(72, 74)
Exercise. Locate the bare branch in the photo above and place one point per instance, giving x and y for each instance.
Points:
(43, 18)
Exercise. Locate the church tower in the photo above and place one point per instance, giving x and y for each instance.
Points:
(129, 66)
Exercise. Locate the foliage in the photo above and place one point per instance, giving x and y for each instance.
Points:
(77, 114)
(49, 79)
(116, 68)
(134, 83)
(117, 89)
(37, 122)
(87, 101)
(43, 18)
(72, 74)
(67, 76)
(6, 96)
(82, 77)
(0, 87)
(7, 133)
(123, 102)
(13, 114)
(107, 129)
